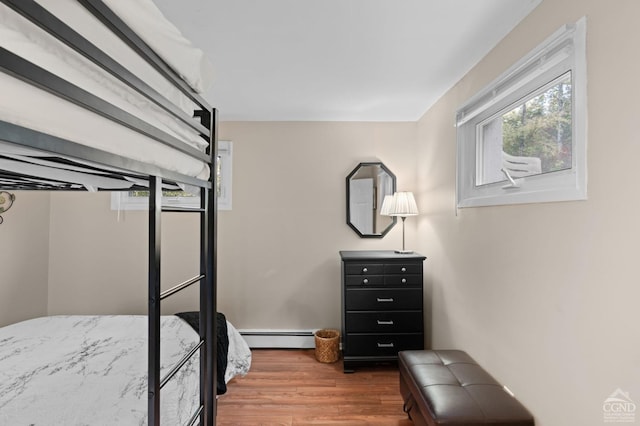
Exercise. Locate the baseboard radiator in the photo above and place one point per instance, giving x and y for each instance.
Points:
(290, 339)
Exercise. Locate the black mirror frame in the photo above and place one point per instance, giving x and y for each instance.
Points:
(349, 176)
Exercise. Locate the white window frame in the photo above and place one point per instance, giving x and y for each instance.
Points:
(564, 51)
(122, 200)
(225, 176)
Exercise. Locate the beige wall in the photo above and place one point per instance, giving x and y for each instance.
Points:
(98, 258)
(545, 296)
(24, 256)
(279, 262)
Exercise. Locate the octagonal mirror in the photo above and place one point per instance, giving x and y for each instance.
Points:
(367, 185)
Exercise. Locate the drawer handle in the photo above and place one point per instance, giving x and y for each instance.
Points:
(404, 281)
(365, 281)
(382, 322)
(365, 270)
(403, 269)
(385, 345)
(379, 299)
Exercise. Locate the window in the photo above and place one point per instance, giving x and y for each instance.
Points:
(523, 138)
(223, 174)
(138, 200)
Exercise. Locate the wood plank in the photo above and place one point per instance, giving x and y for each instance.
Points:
(289, 387)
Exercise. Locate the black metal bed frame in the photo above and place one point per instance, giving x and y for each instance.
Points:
(206, 126)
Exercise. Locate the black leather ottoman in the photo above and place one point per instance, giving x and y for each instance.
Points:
(447, 387)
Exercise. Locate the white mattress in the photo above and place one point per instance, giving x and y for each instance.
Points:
(31, 107)
(92, 370)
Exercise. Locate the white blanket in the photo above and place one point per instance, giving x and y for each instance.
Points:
(31, 107)
(92, 370)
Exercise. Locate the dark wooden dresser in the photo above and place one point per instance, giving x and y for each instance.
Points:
(381, 305)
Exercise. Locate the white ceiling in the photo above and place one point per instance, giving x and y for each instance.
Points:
(340, 60)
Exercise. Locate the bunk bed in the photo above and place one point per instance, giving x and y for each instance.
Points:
(106, 95)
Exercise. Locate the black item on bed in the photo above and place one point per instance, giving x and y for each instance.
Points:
(193, 319)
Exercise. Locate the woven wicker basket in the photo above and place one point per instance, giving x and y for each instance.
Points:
(327, 345)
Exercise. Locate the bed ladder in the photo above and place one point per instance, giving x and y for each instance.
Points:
(207, 345)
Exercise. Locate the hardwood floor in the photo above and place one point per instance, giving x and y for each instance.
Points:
(289, 387)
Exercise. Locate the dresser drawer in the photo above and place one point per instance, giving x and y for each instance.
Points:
(364, 280)
(403, 268)
(383, 280)
(384, 322)
(376, 299)
(403, 280)
(382, 344)
(364, 268)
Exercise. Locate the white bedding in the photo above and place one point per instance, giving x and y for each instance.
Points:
(165, 39)
(92, 370)
(28, 106)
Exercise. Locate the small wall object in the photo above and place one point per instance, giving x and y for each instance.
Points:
(327, 345)
(6, 201)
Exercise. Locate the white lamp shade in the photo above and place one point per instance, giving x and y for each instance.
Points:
(385, 209)
(404, 204)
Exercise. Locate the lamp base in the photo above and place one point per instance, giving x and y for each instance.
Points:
(404, 251)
